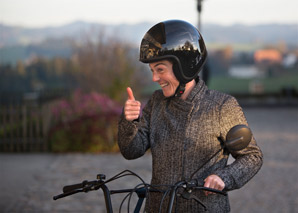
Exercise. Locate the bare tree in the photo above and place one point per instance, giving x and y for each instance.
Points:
(106, 65)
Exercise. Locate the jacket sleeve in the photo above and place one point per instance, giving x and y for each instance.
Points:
(247, 161)
(133, 137)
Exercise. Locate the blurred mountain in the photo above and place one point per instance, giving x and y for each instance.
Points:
(262, 34)
(14, 35)
(269, 33)
(19, 43)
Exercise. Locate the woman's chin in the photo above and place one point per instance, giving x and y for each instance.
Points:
(167, 93)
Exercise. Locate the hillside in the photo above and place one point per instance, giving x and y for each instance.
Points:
(19, 43)
(270, 33)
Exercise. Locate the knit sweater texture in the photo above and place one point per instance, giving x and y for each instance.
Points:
(182, 135)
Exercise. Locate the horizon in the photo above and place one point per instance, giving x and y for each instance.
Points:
(136, 23)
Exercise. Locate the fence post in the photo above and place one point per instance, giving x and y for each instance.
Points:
(24, 124)
(46, 119)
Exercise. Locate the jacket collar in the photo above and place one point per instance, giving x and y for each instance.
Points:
(192, 99)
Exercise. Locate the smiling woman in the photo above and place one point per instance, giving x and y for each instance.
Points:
(184, 123)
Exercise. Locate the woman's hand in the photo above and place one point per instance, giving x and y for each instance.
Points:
(132, 108)
(214, 182)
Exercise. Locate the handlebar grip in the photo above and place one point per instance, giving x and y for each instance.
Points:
(199, 184)
(67, 194)
(70, 188)
(58, 197)
(214, 190)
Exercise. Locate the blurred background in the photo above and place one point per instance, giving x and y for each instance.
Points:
(65, 66)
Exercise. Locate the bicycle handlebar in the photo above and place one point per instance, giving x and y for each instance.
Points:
(187, 192)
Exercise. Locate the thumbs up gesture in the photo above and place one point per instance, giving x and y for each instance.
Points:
(132, 107)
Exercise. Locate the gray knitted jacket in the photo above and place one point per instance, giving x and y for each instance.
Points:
(182, 135)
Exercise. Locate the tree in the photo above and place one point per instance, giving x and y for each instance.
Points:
(107, 66)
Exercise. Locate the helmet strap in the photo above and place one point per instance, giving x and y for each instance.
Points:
(180, 90)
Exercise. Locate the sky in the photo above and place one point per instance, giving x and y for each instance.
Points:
(42, 13)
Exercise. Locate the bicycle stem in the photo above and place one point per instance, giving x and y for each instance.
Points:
(107, 196)
(173, 194)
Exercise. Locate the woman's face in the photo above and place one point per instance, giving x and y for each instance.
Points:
(162, 73)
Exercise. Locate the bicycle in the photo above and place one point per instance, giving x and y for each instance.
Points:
(237, 138)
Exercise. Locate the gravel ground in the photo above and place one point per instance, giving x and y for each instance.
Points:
(28, 182)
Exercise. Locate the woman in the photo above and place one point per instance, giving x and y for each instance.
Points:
(183, 123)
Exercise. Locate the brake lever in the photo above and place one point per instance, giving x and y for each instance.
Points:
(188, 195)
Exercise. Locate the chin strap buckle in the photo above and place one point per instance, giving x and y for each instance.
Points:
(180, 90)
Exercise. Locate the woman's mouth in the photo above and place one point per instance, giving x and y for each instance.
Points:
(164, 85)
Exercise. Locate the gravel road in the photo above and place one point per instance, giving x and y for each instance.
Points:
(28, 182)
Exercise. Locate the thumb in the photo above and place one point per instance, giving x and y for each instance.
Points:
(130, 94)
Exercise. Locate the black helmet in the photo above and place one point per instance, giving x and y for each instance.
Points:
(179, 42)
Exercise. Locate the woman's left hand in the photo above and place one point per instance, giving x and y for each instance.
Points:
(214, 182)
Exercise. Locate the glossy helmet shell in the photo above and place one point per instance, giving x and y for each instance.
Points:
(179, 42)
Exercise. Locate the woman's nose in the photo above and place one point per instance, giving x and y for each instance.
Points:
(155, 77)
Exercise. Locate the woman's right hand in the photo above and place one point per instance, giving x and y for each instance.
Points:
(132, 108)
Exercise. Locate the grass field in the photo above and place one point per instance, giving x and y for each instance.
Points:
(248, 86)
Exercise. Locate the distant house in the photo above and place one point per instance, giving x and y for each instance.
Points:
(270, 56)
(290, 60)
(244, 71)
